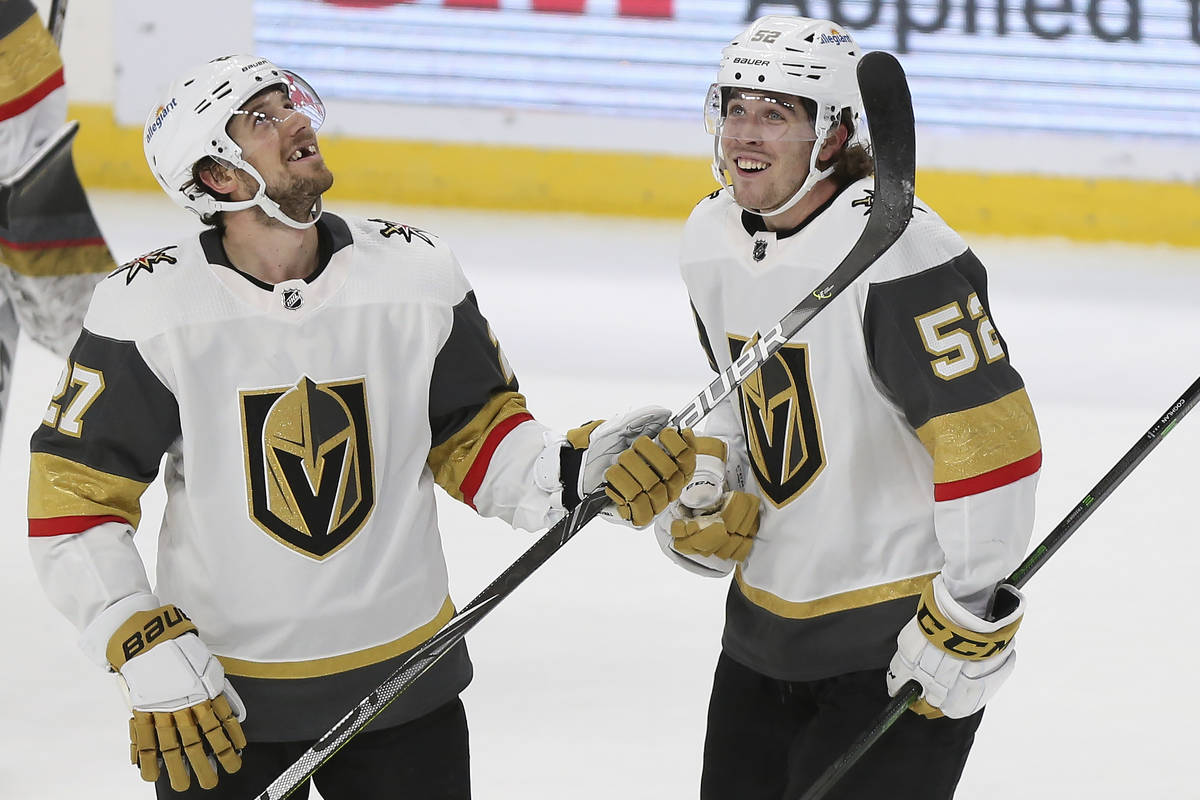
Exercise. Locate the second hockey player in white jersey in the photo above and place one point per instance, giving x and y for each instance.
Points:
(879, 472)
(308, 378)
(52, 253)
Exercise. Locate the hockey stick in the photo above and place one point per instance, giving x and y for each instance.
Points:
(58, 15)
(911, 691)
(890, 118)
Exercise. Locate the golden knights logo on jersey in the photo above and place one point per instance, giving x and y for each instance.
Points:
(779, 418)
(309, 472)
(145, 263)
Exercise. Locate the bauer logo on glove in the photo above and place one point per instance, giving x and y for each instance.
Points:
(186, 718)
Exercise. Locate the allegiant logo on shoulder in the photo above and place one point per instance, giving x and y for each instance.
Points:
(160, 116)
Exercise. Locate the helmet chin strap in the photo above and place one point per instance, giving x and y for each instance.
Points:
(809, 183)
(260, 199)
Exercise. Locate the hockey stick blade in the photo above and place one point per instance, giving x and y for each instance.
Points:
(910, 692)
(889, 114)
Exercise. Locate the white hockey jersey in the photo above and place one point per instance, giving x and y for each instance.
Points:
(52, 253)
(304, 426)
(890, 440)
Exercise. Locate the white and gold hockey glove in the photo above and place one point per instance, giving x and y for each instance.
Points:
(959, 659)
(185, 716)
(708, 520)
(643, 475)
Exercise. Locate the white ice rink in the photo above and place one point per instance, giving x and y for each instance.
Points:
(592, 678)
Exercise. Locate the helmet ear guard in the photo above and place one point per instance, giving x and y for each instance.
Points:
(190, 124)
(811, 59)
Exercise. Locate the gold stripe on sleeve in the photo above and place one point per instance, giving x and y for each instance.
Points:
(333, 665)
(451, 460)
(59, 487)
(977, 440)
(29, 57)
(44, 262)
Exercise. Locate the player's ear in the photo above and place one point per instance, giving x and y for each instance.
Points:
(833, 143)
(217, 177)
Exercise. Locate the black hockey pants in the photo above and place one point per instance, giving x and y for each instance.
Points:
(426, 758)
(770, 740)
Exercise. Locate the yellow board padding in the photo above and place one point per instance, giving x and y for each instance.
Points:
(665, 186)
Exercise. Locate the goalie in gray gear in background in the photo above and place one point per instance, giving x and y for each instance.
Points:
(52, 253)
(875, 480)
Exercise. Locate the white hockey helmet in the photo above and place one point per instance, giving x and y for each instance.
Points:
(190, 125)
(809, 58)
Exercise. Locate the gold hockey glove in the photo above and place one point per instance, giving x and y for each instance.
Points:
(650, 475)
(644, 475)
(185, 716)
(727, 532)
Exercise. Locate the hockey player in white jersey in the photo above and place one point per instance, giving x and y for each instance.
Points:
(872, 484)
(52, 253)
(309, 378)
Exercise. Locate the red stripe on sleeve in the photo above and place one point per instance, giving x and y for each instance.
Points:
(19, 105)
(952, 490)
(62, 526)
(53, 243)
(474, 478)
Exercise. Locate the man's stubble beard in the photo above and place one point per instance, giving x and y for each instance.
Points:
(298, 199)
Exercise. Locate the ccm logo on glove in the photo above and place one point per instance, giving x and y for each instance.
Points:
(145, 629)
(957, 640)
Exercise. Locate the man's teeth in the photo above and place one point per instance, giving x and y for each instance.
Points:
(751, 165)
(308, 150)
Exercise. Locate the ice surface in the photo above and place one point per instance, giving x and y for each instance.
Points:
(592, 678)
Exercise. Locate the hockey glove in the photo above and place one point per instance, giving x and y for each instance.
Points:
(708, 520)
(185, 716)
(959, 659)
(643, 475)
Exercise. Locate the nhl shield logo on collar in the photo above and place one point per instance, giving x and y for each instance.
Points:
(292, 299)
(760, 250)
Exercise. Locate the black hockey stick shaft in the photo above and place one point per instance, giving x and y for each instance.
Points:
(910, 692)
(58, 15)
(889, 116)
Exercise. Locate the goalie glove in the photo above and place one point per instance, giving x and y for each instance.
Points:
(643, 475)
(711, 525)
(185, 716)
(959, 659)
